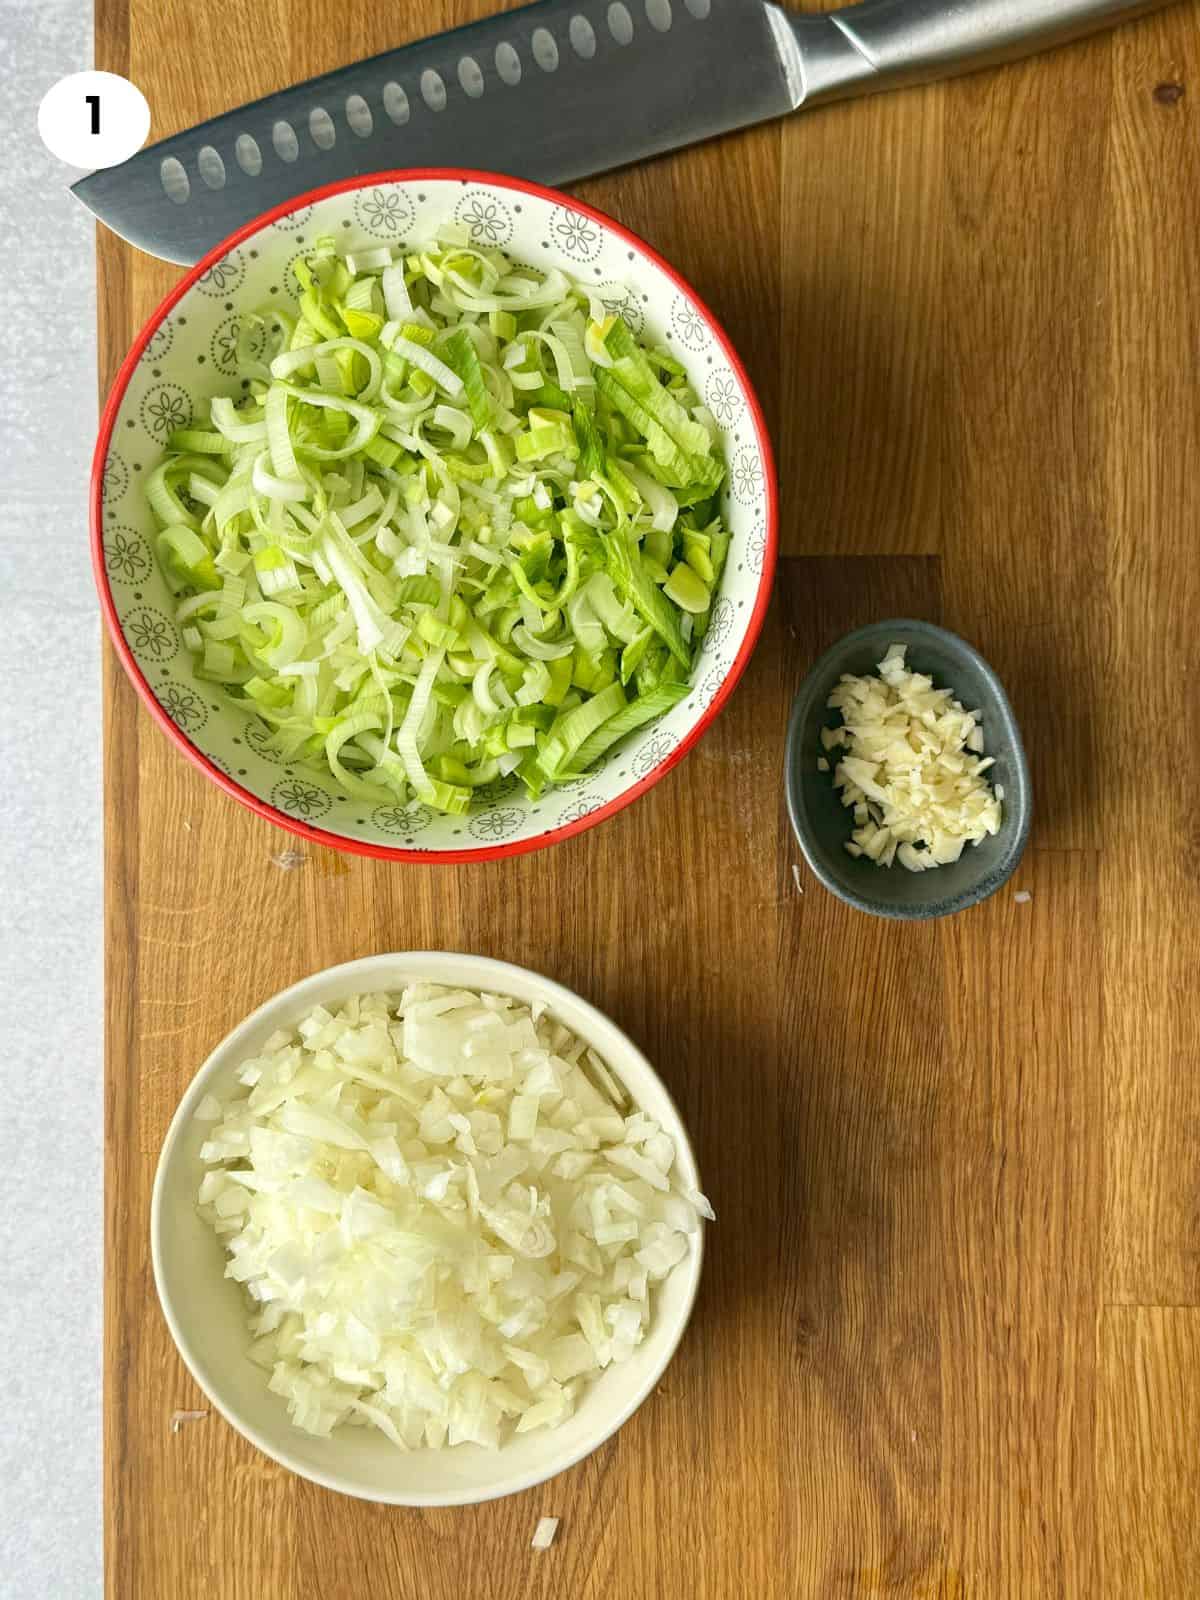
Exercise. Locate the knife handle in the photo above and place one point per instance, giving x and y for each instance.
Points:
(882, 44)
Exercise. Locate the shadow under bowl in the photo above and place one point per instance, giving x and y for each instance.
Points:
(823, 825)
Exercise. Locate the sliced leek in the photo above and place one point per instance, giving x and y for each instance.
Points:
(454, 522)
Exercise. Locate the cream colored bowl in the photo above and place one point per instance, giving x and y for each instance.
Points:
(206, 1312)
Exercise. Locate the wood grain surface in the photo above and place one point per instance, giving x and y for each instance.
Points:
(948, 1341)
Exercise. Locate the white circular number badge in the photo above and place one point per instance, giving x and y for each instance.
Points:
(93, 119)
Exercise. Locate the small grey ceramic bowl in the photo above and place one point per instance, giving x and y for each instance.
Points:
(823, 824)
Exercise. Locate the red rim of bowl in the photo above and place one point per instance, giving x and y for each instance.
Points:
(262, 807)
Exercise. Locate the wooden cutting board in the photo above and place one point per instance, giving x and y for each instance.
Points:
(948, 1342)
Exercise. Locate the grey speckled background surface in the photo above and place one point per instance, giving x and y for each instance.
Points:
(50, 926)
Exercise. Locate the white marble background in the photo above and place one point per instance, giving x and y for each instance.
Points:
(50, 830)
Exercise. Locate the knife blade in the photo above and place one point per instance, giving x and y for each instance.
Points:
(554, 92)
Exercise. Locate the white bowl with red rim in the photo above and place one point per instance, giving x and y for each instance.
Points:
(186, 353)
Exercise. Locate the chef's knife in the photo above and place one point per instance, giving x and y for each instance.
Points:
(555, 91)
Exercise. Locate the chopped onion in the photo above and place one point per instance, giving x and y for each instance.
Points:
(445, 1225)
(178, 1418)
(209, 1109)
(543, 1534)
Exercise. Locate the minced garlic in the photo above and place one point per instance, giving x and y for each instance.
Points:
(913, 768)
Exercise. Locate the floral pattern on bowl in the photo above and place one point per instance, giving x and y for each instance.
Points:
(188, 354)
